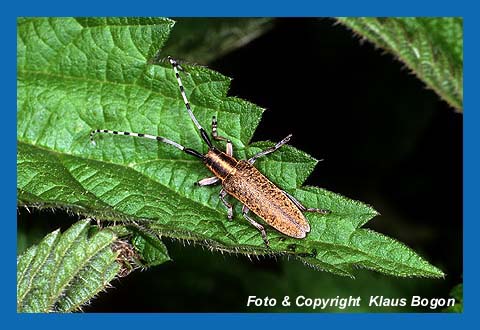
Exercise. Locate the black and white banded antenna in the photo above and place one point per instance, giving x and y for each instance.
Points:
(189, 151)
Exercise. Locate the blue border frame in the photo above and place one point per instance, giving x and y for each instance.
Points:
(245, 8)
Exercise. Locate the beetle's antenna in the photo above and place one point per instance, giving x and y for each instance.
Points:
(203, 133)
(147, 136)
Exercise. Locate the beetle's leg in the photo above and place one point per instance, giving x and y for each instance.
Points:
(229, 149)
(229, 207)
(214, 131)
(215, 135)
(303, 208)
(245, 211)
(207, 181)
(269, 150)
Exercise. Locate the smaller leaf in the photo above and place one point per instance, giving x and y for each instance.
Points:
(202, 40)
(65, 271)
(457, 293)
(432, 47)
(150, 247)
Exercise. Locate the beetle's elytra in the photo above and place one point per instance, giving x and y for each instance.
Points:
(240, 179)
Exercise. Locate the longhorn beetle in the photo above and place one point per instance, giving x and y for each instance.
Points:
(240, 178)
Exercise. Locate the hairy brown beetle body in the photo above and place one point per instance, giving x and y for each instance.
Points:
(244, 182)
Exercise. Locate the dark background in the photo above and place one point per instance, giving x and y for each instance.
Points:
(385, 140)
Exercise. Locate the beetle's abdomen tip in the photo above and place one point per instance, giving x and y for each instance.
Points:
(302, 234)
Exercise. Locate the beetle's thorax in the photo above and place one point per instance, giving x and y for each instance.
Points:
(221, 164)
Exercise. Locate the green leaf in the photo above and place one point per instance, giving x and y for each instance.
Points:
(150, 247)
(97, 74)
(431, 47)
(457, 293)
(65, 271)
(202, 40)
